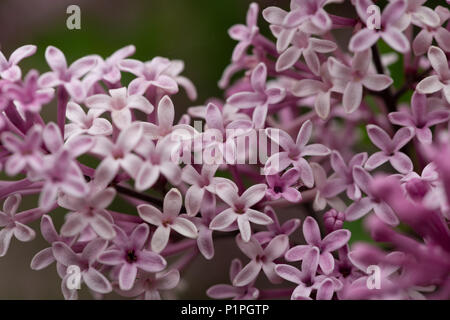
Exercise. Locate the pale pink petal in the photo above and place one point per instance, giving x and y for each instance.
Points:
(223, 219)
(422, 42)
(55, 59)
(21, 53)
(160, 238)
(193, 199)
(377, 82)
(358, 209)
(244, 227)
(311, 232)
(185, 227)
(363, 40)
(97, 281)
(379, 137)
(258, 217)
(288, 58)
(166, 113)
(352, 96)
(376, 160)
(429, 85)
(401, 162)
(247, 274)
(127, 276)
(253, 195)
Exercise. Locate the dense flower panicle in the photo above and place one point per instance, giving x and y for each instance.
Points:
(335, 142)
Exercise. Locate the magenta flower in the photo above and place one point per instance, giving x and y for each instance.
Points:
(26, 153)
(12, 224)
(89, 211)
(389, 32)
(82, 122)
(438, 82)
(418, 118)
(307, 280)
(332, 242)
(86, 261)
(261, 96)
(345, 172)
(357, 77)
(390, 148)
(9, 70)
(128, 254)
(281, 186)
(119, 104)
(27, 95)
(167, 220)
(294, 152)
(225, 291)
(245, 33)
(260, 259)
(364, 205)
(62, 75)
(149, 74)
(240, 209)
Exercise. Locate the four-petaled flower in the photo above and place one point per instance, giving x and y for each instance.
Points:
(129, 255)
(388, 30)
(357, 76)
(240, 209)
(307, 280)
(245, 33)
(119, 103)
(261, 96)
(281, 186)
(62, 75)
(225, 291)
(362, 206)
(390, 148)
(9, 70)
(82, 122)
(260, 259)
(86, 261)
(167, 220)
(418, 118)
(332, 241)
(294, 152)
(12, 225)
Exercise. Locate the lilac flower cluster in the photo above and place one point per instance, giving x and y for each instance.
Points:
(350, 145)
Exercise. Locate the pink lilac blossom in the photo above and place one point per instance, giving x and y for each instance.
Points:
(139, 207)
